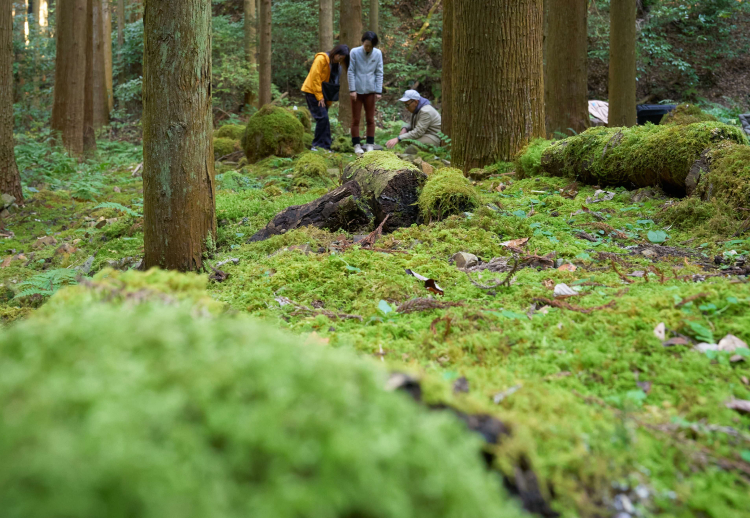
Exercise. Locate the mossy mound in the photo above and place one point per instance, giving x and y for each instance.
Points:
(272, 131)
(641, 156)
(729, 177)
(225, 146)
(342, 144)
(149, 411)
(232, 131)
(686, 114)
(307, 140)
(447, 192)
(232, 181)
(529, 160)
(311, 171)
(303, 116)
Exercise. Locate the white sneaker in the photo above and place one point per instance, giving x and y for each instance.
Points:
(358, 150)
(369, 147)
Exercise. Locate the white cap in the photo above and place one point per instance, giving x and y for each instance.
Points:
(410, 95)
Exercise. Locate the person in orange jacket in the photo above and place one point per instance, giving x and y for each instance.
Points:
(325, 69)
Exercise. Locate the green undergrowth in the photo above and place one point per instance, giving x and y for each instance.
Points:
(595, 404)
(447, 192)
(685, 114)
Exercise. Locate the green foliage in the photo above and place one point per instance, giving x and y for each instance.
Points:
(117, 206)
(47, 283)
(225, 146)
(311, 170)
(231, 131)
(447, 192)
(686, 114)
(176, 415)
(273, 130)
(529, 160)
(234, 181)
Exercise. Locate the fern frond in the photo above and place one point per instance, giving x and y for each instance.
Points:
(117, 206)
(47, 283)
(33, 291)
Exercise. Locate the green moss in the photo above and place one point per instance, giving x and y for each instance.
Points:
(232, 131)
(225, 146)
(342, 144)
(529, 160)
(303, 116)
(376, 169)
(153, 411)
(447, 192)
(232, 181)
(272, 131)
(685, 114)
(729, 176)
(307, 140)
(311, 170)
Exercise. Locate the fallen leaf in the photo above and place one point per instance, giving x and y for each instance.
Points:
(283, 301)
(736, 358)
(549, 284)
(731, 343)
(65, 248)
(101, 224)
(461, 385)
(563, 290)
(6, 261)
(645, 386)
(740, 405)
(660, 331)
(745, 380)
(429, 284)
(117, 189)
(568, 268)
(704, 347)
(44, 241)
(677, 340)
(601, 196)
(499, 397)
(515, 243)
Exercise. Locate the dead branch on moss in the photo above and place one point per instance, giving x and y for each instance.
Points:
(658, 272)
(620, 274)
(505, 282)
(692, 298)
(422, 304)
(304, 310)
(373, 236)
(606, 228)
(564, 305)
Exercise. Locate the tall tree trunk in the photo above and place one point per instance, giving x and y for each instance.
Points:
(37, 10)
(326, 25)
(350, 21)
(251, 43)
(178, 156)
(99, 66)
(447, 72)
(136, 10)
(121, 37)
(374, 16)
(498, 106)
(90, 94)
(70, 73)
(264, 72)
(622, 72)
(566, 76)
(10, 181)
(107, 37)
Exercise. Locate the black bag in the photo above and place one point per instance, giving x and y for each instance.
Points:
(331, 89)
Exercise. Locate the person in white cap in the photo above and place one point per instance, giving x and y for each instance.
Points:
(425, 122)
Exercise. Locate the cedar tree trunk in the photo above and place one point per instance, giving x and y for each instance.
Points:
(374, 16)
(10, 181)
(264, 90)
(178, 156)
(622, 71)
(447, 73)
(99, 65)
(70, 73)
(326, 25)
(566, 75)
(498, 93)
(89, 100)
(107, 37)
(251, 43)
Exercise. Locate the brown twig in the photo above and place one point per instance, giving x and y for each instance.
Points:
(505, 282)
(421, 304)
(564, 305)
(621, 275)
(373, 236)
(658, 272)
(692, 298)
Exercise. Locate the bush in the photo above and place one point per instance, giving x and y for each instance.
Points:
(686, 114)
(447, 192)
(272, 131)
(150, 411)
(311, 170)
(225, 146)
(529, 159)
(232, 131)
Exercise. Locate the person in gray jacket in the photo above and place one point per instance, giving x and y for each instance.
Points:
(365, 87)
(745, 121)
(425, 121)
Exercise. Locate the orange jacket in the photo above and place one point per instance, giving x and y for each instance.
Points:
(320, 72)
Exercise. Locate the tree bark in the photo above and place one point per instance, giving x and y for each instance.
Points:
(264, 90)
(326, 25)
(90, 90)
(120, 25)
(107, 36)
(251, 43)
(99, 65)
(447, 72)
(374, 16)
(566, 76)
(499, 106)
(350, 33)
(70, 73)
(10, 180)
(178, 156)
(622, 71)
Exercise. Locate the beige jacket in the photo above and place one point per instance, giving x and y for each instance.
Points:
(424, 126)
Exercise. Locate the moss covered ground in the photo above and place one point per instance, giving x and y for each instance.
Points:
(603, 413)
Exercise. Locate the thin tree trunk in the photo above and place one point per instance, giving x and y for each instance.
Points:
(622, 72)
(90, 89)
(99, 66)
(498, 106)
(350, 34)
(251, 40)
(70, 73)
(10, 181)
(374, 16)
(326, 25)
(107, 37)
(566, 77)
(178, 156)
(447, 73)
(136, 10)
(264, 72)
(120, 24)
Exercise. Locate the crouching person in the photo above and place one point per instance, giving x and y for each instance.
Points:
(424, 125)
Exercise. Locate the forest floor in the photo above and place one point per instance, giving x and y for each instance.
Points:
(607, 397)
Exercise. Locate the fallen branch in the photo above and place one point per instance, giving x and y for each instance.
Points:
(421, 304)
(505, 282)
(691, 298)
(620, 274)
(373, 236)
(301, 310)
(564, 305)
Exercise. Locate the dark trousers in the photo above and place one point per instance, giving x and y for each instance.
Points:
(368, 101)
(322, 137)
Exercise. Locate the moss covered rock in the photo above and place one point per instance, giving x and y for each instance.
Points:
(232, 131)
(311, 170)
(686, 114)
(447, 192)
(641, 156)
(303, 116)
(149, 411)
(529, 160)
(225, 146)
(342, 144)
(272, 131)
(307, 140)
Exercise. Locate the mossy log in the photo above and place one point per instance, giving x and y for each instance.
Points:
(671, 157)
(376, 186)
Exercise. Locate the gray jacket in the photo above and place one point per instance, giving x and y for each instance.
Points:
(365, 71)
(426, 123)
(745, 121)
